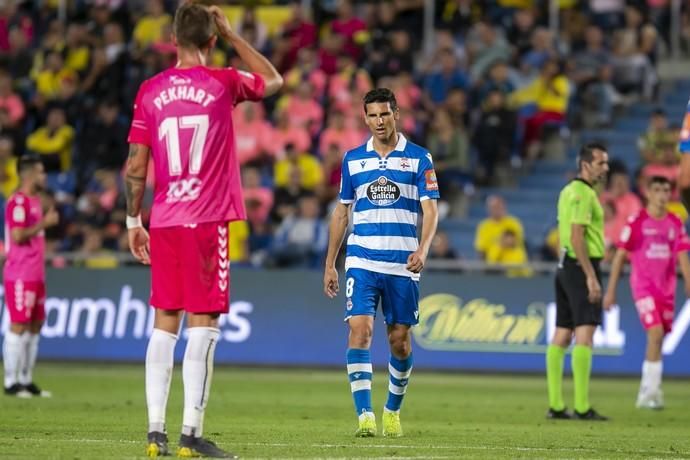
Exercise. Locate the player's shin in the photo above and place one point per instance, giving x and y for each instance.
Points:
(12, 356)
(360, 373)
(197, 373)
(159, 367)
(582, 369)
(555, 357)
(30, 352)
(399, 370)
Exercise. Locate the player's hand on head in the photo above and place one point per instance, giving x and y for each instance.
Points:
(415, 262)
(139, 244)
(221, 20)
(330, 282)
(594, 289)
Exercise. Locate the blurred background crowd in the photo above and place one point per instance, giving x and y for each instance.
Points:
(494, 92)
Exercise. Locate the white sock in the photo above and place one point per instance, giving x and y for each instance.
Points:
(159, 367)
(197, 372)
(28, 362)
(11, 355)
(651, 371)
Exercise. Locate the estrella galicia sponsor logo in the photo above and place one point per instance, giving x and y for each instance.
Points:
(383, 192)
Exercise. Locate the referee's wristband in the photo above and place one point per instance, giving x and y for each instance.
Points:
(134, 222)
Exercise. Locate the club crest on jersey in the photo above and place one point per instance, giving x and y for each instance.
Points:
(404, 163)
(383, 192)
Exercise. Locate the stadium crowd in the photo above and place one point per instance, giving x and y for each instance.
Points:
(495, 85)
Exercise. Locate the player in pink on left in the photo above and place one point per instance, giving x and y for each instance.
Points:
(656, 242)
(183, 123)
(24, 277)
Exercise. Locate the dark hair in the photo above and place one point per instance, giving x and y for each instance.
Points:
(586, 154)
(193, 25)
(659, 180)
(659, 112)
(27, 162)
(380, 95)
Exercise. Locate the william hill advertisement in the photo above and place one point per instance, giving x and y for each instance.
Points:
(467, 322)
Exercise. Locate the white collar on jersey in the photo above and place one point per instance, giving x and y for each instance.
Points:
(400, 147)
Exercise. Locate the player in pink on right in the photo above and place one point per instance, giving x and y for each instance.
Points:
(183, 122)
(655, 240)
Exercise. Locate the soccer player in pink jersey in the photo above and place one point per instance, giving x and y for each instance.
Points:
(655, 240)
(182, 120)
(24, 277)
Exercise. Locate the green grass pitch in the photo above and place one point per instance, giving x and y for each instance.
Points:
(98, 411)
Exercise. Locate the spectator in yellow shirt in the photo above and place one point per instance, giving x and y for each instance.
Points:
(238, 241)
(491, 229)
(149, 28)
(550, 93)
(9, 179)
(49, 80)
(53, 142)
(312, 174)
(509, 252)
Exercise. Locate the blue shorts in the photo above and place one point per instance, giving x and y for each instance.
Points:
(399, 296)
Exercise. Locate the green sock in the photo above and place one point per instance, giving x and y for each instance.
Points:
(554, 376)
(582, 368)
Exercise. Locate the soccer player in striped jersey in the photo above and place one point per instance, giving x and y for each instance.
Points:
(386, 183)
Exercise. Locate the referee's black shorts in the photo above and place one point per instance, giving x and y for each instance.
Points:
(573, 307)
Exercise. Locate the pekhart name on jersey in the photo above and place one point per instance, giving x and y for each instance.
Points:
(183, 93)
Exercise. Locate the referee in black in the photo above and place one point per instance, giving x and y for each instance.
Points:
(578, 283)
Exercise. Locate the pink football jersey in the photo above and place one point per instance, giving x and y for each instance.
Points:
(25, 261)
(653, 245)
(185, 117)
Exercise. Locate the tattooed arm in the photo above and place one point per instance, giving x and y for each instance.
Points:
(135, 185)
(135, 177)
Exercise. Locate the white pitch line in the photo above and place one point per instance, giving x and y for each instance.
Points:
(381, 446)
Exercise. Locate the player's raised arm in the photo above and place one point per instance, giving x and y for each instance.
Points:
(256, 62)
(416, 260)
(337, 229)
(135, 185)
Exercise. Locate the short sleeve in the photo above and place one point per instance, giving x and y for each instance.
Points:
(139, 131)
(682, 242)
(427, 184)
(581, 205)
(347, 191)
(248, 86)
(684, 145)
(627, 240)
(17, 214)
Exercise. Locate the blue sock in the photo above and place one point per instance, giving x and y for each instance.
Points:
(359, 372)
(400, 370)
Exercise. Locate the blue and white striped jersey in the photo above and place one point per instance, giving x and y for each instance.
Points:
(386, 195)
